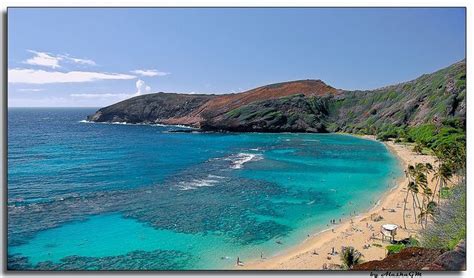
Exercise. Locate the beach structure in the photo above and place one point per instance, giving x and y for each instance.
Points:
(388, 231)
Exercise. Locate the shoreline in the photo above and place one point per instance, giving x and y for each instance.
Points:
(359, 231)
(140, 124)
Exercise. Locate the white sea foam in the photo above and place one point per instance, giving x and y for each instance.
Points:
(215, 177)
(211, 180)
(163, 125)
(125, 123)
(240, 159)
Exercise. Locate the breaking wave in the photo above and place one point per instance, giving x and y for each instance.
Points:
(211, 180)
(125, 123)
(238, 160)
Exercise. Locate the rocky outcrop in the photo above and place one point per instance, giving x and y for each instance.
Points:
(154, 108)
(304, 106)
(213, 112)
(417, 258)
(454, 260)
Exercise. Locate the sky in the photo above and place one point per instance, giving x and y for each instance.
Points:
(92, 57)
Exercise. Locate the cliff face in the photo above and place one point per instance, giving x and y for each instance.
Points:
(154, 108)
(304, 106)
(294, 113)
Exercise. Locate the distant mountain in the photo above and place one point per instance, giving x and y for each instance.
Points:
(304, 106)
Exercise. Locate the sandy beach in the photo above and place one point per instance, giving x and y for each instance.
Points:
(360, 231)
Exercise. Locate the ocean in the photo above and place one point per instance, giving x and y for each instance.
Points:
(91, 196)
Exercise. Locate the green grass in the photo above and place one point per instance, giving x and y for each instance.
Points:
(394, 248)
(446, 193)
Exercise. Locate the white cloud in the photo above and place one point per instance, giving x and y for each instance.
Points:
(31, 76)
(142, 87)
(46, 59)
(150, 73)
(87, 62)
(43, 59)
(30, 90)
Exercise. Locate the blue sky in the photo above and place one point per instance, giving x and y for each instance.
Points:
(96, 57)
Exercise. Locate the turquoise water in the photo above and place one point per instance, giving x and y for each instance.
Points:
(107, 196)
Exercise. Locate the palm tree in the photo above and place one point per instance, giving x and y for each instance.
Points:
(430, 210)
(405, 205)
(443, 176)
(423, 183)
(350, 257)
(417, 177)
(420, 167)
(413, 188)
(427, 193)
(454, 155)
(410, 172)
(421, 180)
(436, 177)
(429, 168)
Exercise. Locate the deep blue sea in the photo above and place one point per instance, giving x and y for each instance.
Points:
(93, 196)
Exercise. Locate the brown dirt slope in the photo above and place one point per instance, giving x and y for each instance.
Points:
(224, 103)
(412, 258)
